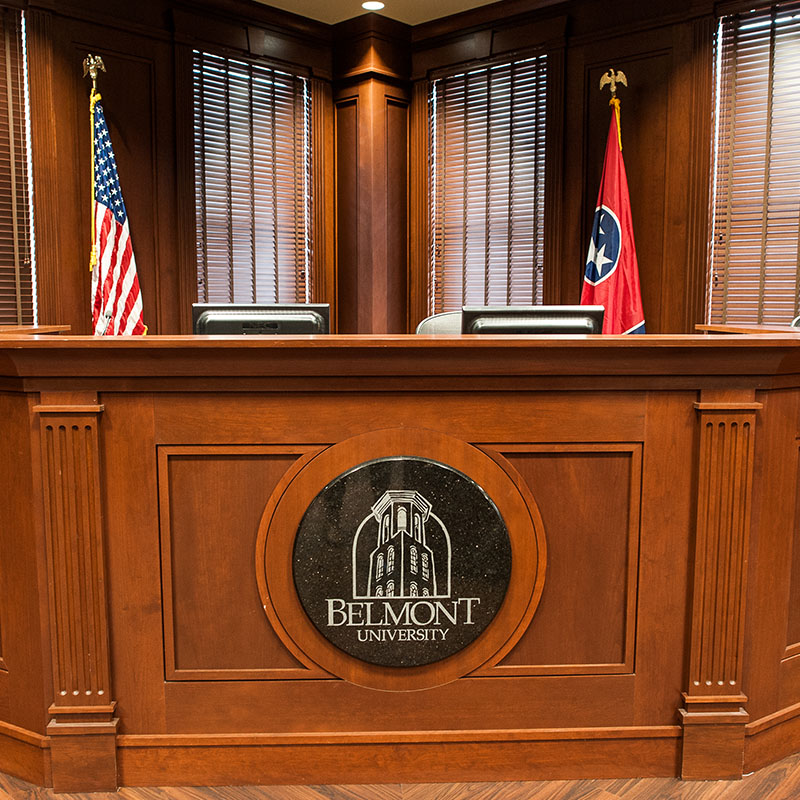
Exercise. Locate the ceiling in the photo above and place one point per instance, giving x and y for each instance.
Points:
(412, 12)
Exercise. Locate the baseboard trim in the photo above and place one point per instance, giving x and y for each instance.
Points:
(408, 757)
(25, 754)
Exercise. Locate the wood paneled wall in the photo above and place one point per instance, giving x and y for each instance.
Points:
(368, 81)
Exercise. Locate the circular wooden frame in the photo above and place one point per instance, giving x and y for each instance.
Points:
(291, 498)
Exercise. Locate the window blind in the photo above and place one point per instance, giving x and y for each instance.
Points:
(754, 257)
(17, 281)
(487, 185)
(252, 161)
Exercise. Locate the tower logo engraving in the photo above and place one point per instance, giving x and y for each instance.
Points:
(403, 564)
(401, 561)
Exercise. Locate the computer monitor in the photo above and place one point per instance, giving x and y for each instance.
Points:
(259, 319)
(555, 320)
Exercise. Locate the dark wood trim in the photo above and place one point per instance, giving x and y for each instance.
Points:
(727, 7)
(699, 158)
(481, 17)
(44, 157)
(418, 204)
(323, 266)
(185, 233)
(262, 14)
(501, 41)
(555, 281)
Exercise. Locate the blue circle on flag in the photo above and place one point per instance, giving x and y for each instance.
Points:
(604, 247)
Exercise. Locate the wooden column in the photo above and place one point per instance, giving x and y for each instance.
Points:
(714, 715)
(371, 97)
(82, 726)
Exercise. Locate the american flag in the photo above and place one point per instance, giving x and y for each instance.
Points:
(116, 298)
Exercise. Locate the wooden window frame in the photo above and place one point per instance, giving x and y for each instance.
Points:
(554, 284)
(754, 250)
(18, 302)
(285, 275)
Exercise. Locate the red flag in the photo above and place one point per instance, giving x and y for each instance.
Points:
(116, 298)
(611, 278)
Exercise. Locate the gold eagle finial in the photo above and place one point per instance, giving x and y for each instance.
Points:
(613, 78)
(91, 64)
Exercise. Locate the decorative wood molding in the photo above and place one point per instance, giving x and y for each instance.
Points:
(713, 715)
(481, 17)
(372, 45)
(498, 39)
(402, 736)
(82, 704)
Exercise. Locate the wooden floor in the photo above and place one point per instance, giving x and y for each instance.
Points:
(781, 781)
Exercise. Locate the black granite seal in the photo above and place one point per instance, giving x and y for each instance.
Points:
(401, 561)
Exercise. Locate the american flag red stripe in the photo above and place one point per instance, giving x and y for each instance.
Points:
(116, 296)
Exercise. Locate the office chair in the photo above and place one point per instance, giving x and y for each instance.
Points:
(443, 322)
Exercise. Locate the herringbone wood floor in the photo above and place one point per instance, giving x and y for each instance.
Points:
(781, 781)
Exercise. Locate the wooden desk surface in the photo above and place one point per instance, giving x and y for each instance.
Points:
(281, 363)
(749, 328)
(31, 330)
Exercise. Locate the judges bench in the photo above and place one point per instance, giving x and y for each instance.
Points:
(151, 627)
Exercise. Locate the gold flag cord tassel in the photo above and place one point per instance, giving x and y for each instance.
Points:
(93, 98)
(614, 101)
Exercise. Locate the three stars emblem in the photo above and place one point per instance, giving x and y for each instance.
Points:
(604, 246)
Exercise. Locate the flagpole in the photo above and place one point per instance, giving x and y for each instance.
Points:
(611, 271)
(91, 64)
(611, 79)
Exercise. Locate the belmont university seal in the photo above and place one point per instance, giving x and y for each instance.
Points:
(401, 561)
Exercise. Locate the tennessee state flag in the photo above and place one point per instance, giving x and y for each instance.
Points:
(611, 278)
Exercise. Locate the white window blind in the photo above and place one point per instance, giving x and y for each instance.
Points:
(754, 257)
(487, 186)
(17, 277)
(252, 161)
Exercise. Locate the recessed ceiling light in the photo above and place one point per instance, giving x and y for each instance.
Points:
(372, 5)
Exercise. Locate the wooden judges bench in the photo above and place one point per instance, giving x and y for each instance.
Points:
(138, 477)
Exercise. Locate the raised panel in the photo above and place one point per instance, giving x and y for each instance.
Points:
(589, 497)
(211, 501)
(396, 204)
